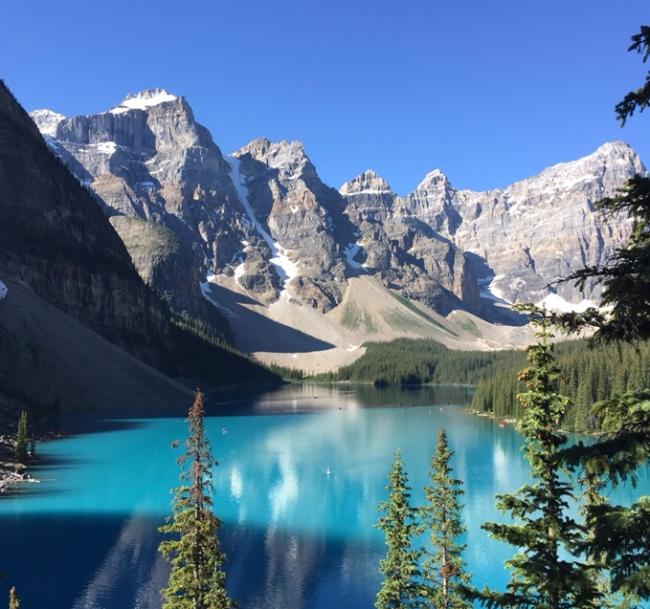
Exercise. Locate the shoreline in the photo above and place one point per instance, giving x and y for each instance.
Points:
(12, 473)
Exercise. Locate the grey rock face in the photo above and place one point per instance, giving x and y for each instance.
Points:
(537, 230)
(404, 251)
(299, 213)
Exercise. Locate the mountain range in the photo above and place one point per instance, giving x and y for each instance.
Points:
(300, 273)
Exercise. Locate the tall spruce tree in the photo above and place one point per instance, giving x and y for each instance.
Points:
(621, 535)
(443, 567)
(197, 578)
(400, 588)
(21, 438)
(542, 528)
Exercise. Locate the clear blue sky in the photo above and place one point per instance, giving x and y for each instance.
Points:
(489, 92)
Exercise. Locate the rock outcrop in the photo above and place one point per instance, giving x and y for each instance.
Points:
(405, 251)
(537, 230)
(303, 218)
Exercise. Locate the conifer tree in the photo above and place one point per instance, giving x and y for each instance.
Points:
(21, 438)
(593, 483)
(14, 601)
(443, 567)
(619, 534)
(540, 577)
(197, 578)
(400, 588)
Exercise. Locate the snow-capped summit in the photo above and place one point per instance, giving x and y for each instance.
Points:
(46, 120)
(143, 100)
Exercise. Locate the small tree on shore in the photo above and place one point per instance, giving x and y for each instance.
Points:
(21, 438)
(400, 588)
(197, 578)
(14, 601)
(443, 567)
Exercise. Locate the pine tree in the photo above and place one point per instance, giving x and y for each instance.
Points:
(540, 577)
(400, 588)
(21, 438)
(14, 601)
(197, 578)
(443, 568)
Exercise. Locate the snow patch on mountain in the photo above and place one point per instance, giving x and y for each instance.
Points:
(143, 101)
(368, 191)
(240, 270)
(110, 148)
(490, 290)
(350, 251)
(555, 302)
(46, 120)
(286, 268)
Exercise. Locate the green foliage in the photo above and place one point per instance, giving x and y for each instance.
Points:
(197, 578)
(21, 438)
(199, 351)
(542, 528)
(619, 536)
(411, 361)
(588, 375)
(288, 374)
(400, 588)
(443, 567)
(640, 98)
(14, 601)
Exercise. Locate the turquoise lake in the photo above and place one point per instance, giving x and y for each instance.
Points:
(301, 472)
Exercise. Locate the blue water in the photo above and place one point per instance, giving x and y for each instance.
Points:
(296, 537)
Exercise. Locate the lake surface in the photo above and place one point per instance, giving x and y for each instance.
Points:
(296, 536)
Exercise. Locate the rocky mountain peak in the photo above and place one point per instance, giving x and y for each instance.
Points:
(367, 182)
(46, 120)
(615, 148)
(143, 100)
(434, 180)
(611, 163)
(289, 158)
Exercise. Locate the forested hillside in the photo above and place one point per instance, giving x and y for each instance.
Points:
(410, 362)
(588, 375)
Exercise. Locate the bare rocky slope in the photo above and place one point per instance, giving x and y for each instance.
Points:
(259, 232)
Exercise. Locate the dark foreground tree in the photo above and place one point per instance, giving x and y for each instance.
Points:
(638, 99)
(21, 438)
(400, 588)
(620, 536)
(443, 567)
(541, 577)
(197, 578)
